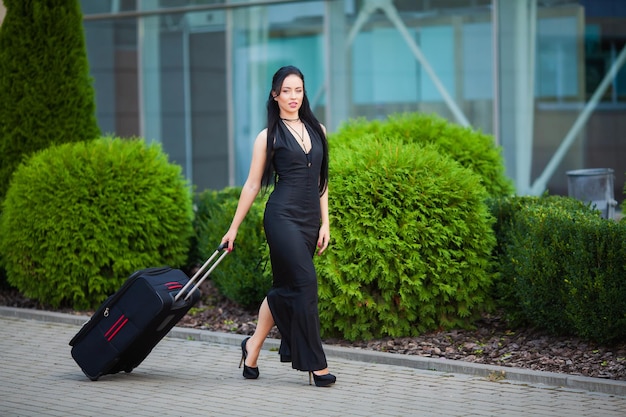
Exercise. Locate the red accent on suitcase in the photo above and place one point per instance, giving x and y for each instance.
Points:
(110, 334)
(173, 285)
(117, 330)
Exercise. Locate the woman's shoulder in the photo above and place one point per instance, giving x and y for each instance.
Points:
(260, 142)
(262, 136)
(311, 123)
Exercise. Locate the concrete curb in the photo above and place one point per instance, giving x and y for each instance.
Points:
(605, 386)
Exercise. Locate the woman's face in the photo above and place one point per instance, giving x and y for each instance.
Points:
(290, 96)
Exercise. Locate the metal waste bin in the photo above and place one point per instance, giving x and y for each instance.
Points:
(594, 186)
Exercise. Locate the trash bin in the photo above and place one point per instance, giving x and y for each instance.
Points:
(594, 186)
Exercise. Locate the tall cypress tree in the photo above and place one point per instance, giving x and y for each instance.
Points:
(46, 92)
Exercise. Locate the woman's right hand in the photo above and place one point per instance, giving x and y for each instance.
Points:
(230, 238)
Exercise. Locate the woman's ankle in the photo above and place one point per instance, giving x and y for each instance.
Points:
(253, 345)
(321, 372)
(253, 349)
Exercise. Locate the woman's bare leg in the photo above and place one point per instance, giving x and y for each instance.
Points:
(263, 327)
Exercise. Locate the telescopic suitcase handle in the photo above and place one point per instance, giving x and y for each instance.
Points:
(200, 271)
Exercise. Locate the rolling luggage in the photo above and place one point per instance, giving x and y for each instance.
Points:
(129, 324)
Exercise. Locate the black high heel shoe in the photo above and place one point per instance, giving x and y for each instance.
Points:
(248, 371)
(322, 380)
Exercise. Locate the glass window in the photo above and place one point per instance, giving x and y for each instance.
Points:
(558, 57)
(432, 57)
(195, 75)
(478, 61)
(385, 72)
(112, 53)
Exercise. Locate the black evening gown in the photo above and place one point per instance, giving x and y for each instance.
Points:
(292, 221)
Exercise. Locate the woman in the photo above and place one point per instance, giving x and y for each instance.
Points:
(291, 153)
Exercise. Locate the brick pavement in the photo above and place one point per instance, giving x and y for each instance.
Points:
(185, 377)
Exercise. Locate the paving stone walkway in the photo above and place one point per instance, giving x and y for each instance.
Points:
(184, 377)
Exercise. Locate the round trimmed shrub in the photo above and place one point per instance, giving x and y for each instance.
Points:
(245, 276)
(471, 148)
(80, 217)
(411, 242)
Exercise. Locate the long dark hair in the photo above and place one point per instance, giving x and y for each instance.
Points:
(306, 116)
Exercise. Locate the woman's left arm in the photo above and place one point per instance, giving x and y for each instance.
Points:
(324, 233)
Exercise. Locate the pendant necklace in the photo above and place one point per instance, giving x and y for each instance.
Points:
(301, 137)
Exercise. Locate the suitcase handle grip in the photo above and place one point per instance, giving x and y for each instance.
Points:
(202, 272)
(224, 246)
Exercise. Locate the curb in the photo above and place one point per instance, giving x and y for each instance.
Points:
(605, 386)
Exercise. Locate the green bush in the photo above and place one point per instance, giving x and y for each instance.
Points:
(471, 148)
(505, 210)
(536, 254)
(245, 275)
(4, 285)
(411, 242)
(569, 272)
(47, 94)
(207, 205)
(596, 280)
(80, 217)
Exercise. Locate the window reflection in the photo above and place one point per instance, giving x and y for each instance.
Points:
(194, 75)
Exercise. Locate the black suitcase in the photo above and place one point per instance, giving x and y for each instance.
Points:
(130, 323)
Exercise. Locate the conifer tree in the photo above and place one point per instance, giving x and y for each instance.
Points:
(46, 92)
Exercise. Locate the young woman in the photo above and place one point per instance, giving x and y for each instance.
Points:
(292, 154)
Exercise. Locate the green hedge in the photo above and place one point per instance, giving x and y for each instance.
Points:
(569, 272)
(596, 275)
(245, 275)
(506, 211)
(471, 148)
(80, 217)
(411, 241)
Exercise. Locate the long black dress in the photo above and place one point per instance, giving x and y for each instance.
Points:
(292, 222)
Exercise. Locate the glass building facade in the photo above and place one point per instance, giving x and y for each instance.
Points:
(545, 77)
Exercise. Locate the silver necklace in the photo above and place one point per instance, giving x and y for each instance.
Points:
(300, 136)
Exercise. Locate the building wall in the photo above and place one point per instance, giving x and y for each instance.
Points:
(197, 81)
